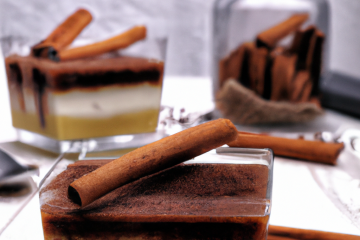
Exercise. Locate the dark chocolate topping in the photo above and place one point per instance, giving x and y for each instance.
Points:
(66, 81)
(89, 72)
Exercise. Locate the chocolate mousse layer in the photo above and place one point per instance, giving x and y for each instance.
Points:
(61, 76)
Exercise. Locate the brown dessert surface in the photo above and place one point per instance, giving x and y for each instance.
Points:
(184, 190)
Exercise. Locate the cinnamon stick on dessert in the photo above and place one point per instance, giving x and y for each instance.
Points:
(270, 37)
(277, 233)
(118, 42)
(152, 158)
(63, 35)
(316, 151)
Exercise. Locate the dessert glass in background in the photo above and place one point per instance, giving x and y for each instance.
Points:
(113, 94)
(222, 194)
(271, 72)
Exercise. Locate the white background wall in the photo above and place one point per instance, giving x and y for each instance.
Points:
(345, 36)
(344, 46)
(191, 32)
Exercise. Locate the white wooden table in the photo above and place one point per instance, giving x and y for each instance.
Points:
(298, 200)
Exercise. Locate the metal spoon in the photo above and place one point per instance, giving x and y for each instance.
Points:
(11, 170)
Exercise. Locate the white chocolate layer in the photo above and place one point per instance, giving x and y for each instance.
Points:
(104, 101)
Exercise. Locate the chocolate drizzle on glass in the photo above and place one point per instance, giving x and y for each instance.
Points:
(17, 76)
(39, 90)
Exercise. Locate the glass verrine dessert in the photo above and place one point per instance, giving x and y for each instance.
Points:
(222, 194)
(88, 88)
(85, 98)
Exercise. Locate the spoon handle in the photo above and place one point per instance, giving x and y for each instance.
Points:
(57, 160)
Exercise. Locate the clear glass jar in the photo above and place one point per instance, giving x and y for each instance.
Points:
(239, 21)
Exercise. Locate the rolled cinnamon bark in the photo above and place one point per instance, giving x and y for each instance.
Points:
(315, 67)
(304, 47)
(295, 45)
(305, 95)
(235, 65)
(298, 85)
(118, 42)
(270, 37)
(282, 75)
(258, 61)
(152, 158)
(64, 34)
(306, 234)
(275, 237)
(315, 151)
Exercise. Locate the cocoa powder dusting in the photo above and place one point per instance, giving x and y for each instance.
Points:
(171, 191)
(188, 201)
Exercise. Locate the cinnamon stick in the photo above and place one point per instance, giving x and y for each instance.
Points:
(298, 85)
(230, 66)
(275, 237)
(295, 45)
(316, 151)
(235, 65)
(305, 95)
(258, 61)
(304, 47)
(283, 71)
(268, 81)
(152, 158)
(304, 234)
(315, 67)
(64, 34)
(118, 42)
(244, 71)
(270, 37)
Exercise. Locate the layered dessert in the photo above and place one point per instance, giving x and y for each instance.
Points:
(84, 98)
(188, 201)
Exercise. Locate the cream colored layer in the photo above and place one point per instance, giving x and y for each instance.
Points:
(104, 102)
(67, 128)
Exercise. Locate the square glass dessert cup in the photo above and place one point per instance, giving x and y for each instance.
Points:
(116, 91)
(222, 194)
(87, 98)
